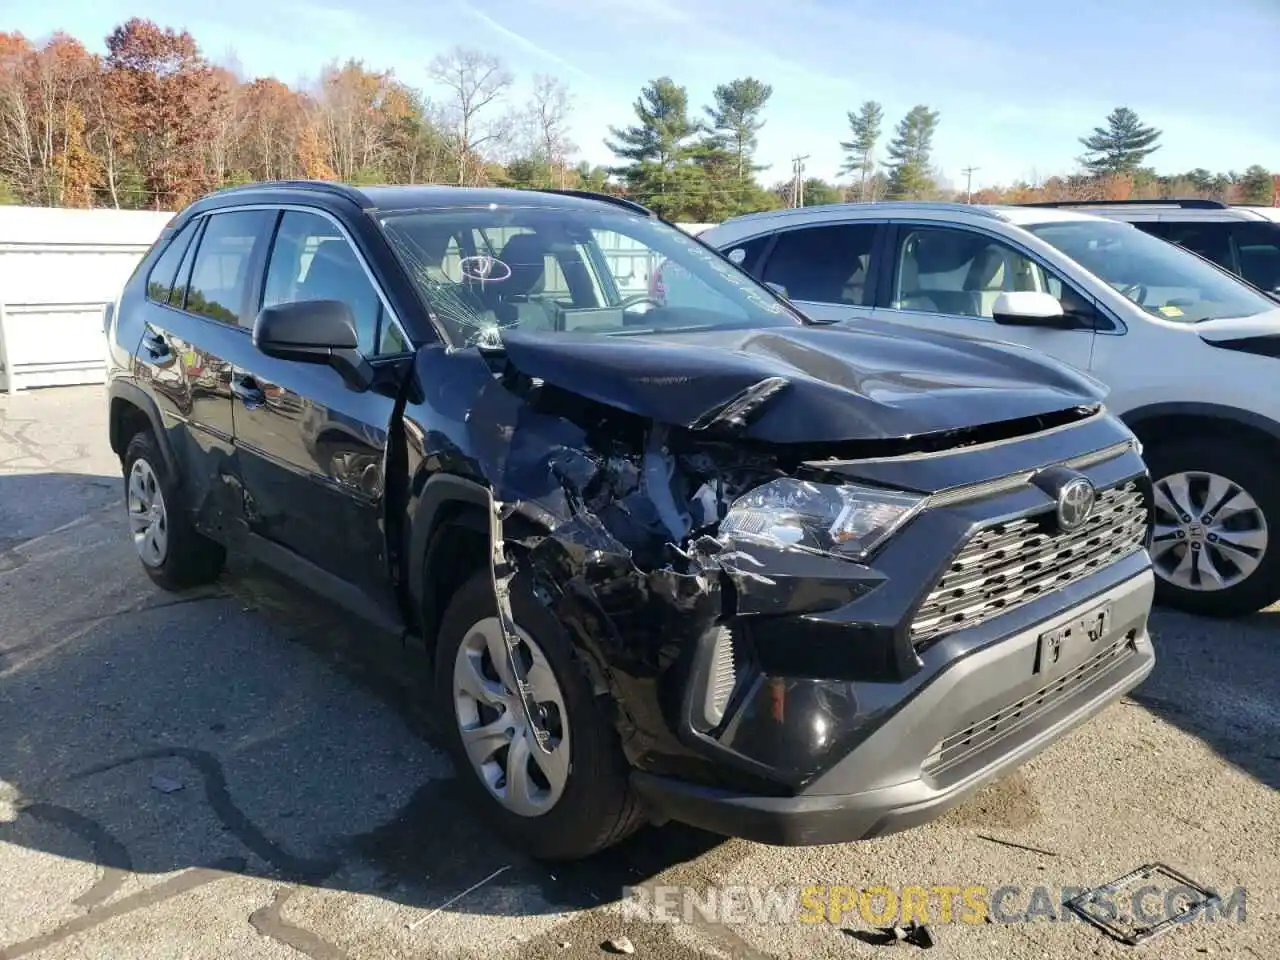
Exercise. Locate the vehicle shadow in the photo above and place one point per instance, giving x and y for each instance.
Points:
(247, 727)
(1220, 681)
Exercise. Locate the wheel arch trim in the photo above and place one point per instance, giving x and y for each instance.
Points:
(130, 393)
(441, 492)
(1135, 419)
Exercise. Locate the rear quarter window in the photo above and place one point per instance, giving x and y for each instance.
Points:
(161, 278)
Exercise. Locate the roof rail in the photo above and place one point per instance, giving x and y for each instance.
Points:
(334, 187)
(1187, 203)
(905, 206)
(604, 198)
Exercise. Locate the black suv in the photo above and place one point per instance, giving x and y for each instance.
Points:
(679, 554)
(1242, 239)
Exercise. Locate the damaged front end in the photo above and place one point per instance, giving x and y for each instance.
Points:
(728, 592)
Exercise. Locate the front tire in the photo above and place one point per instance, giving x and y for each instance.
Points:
(562, 806)
(1216, 549)
(174, 555)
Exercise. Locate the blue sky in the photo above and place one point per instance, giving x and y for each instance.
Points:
(1016, 81)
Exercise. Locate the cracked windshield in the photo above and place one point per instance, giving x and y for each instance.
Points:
(483, 271)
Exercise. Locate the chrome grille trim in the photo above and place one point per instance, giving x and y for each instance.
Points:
(987, 488)
(1005, 565)
(967, 741)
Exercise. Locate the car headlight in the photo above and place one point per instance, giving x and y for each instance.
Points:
(846, 520)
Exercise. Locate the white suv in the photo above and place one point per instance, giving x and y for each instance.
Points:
(1190, 354)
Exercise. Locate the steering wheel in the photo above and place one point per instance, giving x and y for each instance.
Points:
(638, 298)
(1134, 288)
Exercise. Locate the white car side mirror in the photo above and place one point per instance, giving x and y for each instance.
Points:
(1030, 308)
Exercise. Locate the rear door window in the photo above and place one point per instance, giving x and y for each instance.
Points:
(221, 276)
(1258, 247)
(827, 264)
(747, 253)
(1210, 240)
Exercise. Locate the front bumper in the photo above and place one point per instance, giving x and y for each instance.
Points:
(981, 717)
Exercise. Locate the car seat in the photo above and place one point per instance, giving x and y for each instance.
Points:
(514, 301)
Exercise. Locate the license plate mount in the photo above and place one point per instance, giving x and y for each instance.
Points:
(1064, 642)
(1099, 905)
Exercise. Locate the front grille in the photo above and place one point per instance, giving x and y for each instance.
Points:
(1008, 564)
(966, 742)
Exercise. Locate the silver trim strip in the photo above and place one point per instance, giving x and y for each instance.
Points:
(987, 488)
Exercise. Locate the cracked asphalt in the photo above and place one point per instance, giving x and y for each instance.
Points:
(243, 772)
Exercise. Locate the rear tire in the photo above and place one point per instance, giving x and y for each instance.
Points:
(1217, 544)
(174, 555)
(580, 803)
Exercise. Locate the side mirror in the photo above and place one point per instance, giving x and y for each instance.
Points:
(314, 331)
(777, 288)
(1032, 308)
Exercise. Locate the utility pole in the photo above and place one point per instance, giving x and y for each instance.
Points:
(797, 184)
(968, 184)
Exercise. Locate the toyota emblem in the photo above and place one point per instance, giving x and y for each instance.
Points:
(1075, 503)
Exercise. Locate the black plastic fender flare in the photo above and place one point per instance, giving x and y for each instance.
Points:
(135, 396)
(439, 493)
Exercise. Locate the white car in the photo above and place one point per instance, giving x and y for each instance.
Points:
(1190, 354)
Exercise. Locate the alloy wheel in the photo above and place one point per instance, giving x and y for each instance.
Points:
(492, 725)
(1210, 533)
(148, 520)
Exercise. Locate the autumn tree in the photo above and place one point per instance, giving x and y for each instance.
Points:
(17, 134)
(164, 93)
(860, 148)
(272, 118)
(475, 82)
(417, 148)
(910, 176)
(1121, 146)
(348, 105)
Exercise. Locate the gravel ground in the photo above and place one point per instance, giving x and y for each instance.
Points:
(242, 772)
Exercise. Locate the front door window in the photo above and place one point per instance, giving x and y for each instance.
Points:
(961, 274)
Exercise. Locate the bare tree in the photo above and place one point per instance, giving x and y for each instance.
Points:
(549, 110)
(475, 81)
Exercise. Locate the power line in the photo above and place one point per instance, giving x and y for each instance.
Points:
(968, 183)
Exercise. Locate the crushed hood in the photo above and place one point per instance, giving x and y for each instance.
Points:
(875, 381)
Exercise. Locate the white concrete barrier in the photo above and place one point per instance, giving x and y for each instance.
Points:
(58, 270)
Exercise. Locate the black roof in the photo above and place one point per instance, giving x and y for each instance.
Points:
(419, 196)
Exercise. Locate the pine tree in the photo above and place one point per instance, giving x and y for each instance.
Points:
(660, 174)
(910, 177)
(735, 119)
(1120, 147)
(1257, 186)
(860, 150)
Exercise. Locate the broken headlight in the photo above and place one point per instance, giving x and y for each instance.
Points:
(845, 520)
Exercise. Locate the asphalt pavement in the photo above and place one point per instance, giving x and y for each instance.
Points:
(242, 771)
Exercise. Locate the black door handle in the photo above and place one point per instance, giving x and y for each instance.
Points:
(246, 388)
